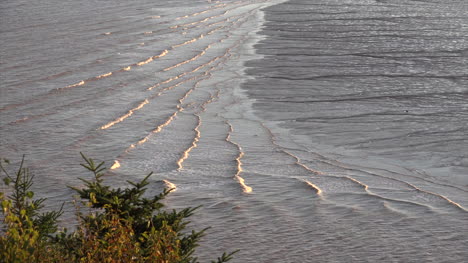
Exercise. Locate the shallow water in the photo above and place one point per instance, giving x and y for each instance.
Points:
(336, 133)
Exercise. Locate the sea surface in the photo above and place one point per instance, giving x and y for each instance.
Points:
(310, 131)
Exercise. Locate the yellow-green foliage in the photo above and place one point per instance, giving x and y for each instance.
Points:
(20, 241)
(125, 226)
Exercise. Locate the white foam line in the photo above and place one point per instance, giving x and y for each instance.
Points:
(245, 188)
(315, 187)
(170, 186)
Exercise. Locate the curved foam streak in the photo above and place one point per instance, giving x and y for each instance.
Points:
(158, 129)
(81, 83)
(179, 76)
(214, 30)
(297, 159)
(344, 166)
(188, 42)
(385, 199)
(226, 20)
(245, 188)
(368, 192)
(108, 74)
(196, 139)
(194, 14)
(185, 73)
(171, 186)
(199, 67)
(116, 165)
(150, 59)
(181, 100)
(217, 23)
(146, 101)
(188, 60)
(318, 191)
(146, 138)
(298, 162)
(424, 174)
(166, 81)
(224, 13)
(203, 106)
(123, 117)
(127, 68)
(415, 188)
(177, 84)
(363, 185)
(226, 54)
(191, 24)
(201, 12)
(105, 75)
(451, 202)
(440, 196)
(198, 22)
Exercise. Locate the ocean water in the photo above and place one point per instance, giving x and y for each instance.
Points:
(310, 131)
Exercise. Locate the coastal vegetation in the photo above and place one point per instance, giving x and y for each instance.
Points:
(120, 225)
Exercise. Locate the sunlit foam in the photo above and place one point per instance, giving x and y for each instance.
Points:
(197, 137)
(245, 188)
(315, 187)
(212, 98)
(161, 83)
(141, 63)
(366, 187)
(194, 14)
(188, 42)
(440, 196)
(298, 162)
(150, 59)
(191, 24)
(122, 118)
(81, 83)
(187, 72)
(105, 75)
(159, 128)
(176, 85)
(171, 186)
(188, 60)
(116, 165)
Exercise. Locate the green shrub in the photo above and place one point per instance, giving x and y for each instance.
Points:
(124, 226)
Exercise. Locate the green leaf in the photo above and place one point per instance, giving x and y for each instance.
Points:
(30, 194)
(6, 204)
(7, 180)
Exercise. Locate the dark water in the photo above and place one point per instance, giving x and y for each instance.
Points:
(335, 132)
(383, 80)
